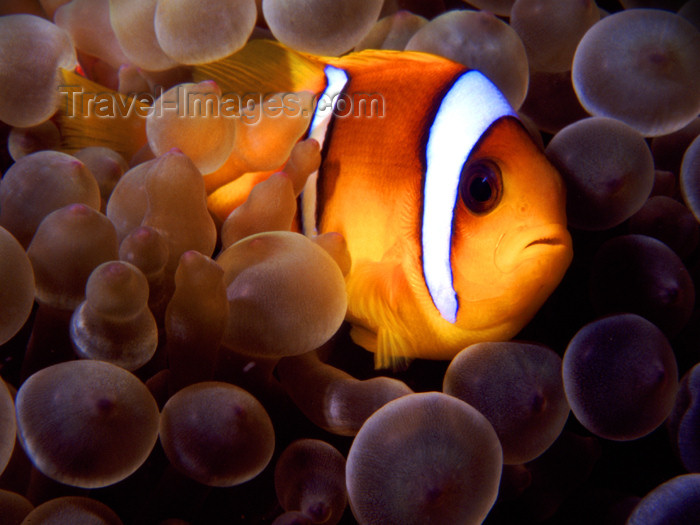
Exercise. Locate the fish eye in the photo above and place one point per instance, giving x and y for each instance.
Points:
(481, 186)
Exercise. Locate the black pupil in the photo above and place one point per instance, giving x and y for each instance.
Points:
(480, 189)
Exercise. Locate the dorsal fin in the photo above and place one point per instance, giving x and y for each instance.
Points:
(120, 125)
(264, 66)
(267, 66)
(260, 67)
(381, 56)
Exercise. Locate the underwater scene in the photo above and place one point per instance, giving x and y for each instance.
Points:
(376, 262)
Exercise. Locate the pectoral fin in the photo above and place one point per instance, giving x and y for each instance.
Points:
(376, 291)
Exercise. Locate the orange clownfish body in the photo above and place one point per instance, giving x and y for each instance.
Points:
(453, 217)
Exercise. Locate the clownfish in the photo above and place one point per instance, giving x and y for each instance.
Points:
(453, 217)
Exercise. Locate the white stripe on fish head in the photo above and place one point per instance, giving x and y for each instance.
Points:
(467, 110)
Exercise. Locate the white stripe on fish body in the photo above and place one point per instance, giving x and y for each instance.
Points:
(467, 110)
(336, 79)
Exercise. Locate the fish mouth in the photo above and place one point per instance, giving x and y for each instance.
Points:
(550, 241)
(546, 244)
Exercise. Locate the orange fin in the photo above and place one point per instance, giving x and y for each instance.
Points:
(377, 56)
(93, 115)
(262, 67)
(386, 356)
(375, 290)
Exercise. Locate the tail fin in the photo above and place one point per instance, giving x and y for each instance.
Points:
(93, 115)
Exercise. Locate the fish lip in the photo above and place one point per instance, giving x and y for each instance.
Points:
(519, 246)
(550, 241)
